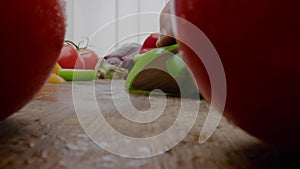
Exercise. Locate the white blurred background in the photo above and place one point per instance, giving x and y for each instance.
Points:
(100, 20)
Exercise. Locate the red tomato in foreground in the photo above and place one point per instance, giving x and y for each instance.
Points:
(258, 44)
(32, 36)
(69, 58)
(89, 57)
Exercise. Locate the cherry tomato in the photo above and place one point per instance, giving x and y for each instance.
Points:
(89, 57)
(69, 58)
(31, 38)
(258, 44)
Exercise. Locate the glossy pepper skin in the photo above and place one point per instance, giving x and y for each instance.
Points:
(258, 44)
(31, 38)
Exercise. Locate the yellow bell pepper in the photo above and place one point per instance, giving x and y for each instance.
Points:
(56, 69)
(54, 78)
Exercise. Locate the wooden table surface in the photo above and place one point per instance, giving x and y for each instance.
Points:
(47, 134)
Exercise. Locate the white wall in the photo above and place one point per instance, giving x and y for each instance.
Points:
(108, 22)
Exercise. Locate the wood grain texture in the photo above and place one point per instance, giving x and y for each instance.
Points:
(46, 134)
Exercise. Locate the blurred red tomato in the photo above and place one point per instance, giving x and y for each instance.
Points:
(149, 43)
(258, 44)
(69, 58)
(32, 37)
(74, 57)
(89, 57)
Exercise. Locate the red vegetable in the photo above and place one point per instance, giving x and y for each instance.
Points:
(258, 44)
(69, 58)
(149, 43)
(73, 57)
(31, 38)
(89, 57)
